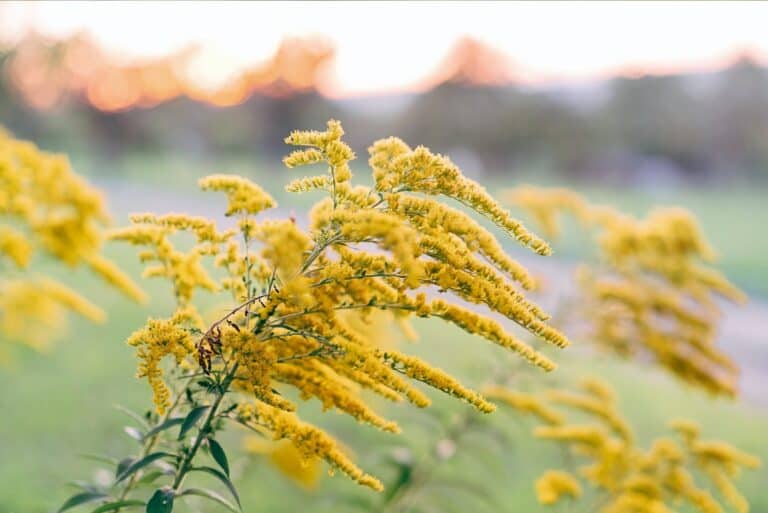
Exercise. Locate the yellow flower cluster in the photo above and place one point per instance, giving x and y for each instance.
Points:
(300, 327)
(30, 309)
(309, 440)
(653, 291)
(291, 463)
(158, 339)
(245, 197)
(396, 168)
(553, 485)
(184, 270)
(546, 206)
(525, 403)
(326, 147)
(47, 210)
(629, 478)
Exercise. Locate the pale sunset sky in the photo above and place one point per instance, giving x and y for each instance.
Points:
(386, 47)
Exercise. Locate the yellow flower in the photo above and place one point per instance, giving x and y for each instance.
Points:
(112, 274)
(158, 339)
(525, 403)
(309, 440)
(553, 485)
(15, 246)
(422, 171)
(596, 407)
(627, 477)
(245, 197)
(286, 458)
(653, 291)
(32, 310)
(47, 209)
(308, 302)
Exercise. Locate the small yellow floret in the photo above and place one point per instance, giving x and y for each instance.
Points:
(244, 196)
(553, 485)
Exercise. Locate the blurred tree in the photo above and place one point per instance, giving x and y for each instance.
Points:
(738, 119)
(654, 115)
(683, 127)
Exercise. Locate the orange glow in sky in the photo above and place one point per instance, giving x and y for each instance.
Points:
(393, 47)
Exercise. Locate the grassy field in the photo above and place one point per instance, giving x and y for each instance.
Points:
(58, 406)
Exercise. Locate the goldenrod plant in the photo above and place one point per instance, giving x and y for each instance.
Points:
(652, 292)
(626, 477)
(308, 309)
(286, 337)
(661, 264)
(47, 212)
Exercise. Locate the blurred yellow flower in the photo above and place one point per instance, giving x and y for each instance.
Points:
(49, 211)
(653, 291)
(553, 485)
(288, 460)
(627, 477)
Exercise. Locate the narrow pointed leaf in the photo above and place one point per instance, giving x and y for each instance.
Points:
(161, 501)
(101, 459)
(133, 433)
(81, 498)
(132, 414)
(162, 427)
(112, 506)
(139, 464)
(221, 477)
(194, 416)
(122, 465)
(85, 486)
(217, 451)
(149, 477)
(210, 494)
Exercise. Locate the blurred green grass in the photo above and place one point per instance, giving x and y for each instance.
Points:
(59, 405)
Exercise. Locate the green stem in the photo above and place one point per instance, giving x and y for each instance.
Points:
(186, 463)
(318, 250)
(403, 498)
(333, 184)
(150, 443)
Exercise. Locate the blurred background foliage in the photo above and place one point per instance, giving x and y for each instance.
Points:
(677, 128)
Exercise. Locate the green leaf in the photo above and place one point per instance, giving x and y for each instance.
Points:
(161, 501)
(85, 486)
(133, 433)
(149, 477)
(206, 383)
(139, 464)
(195, 415)
(122, 465)
(221, 477)
(112, 506)
(132, 414)
(404, 477)
(81, 498)
(101, 459)
(162, 427)
(217, 451)
(210, 494)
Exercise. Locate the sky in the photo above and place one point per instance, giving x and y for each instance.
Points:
(393, 47)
